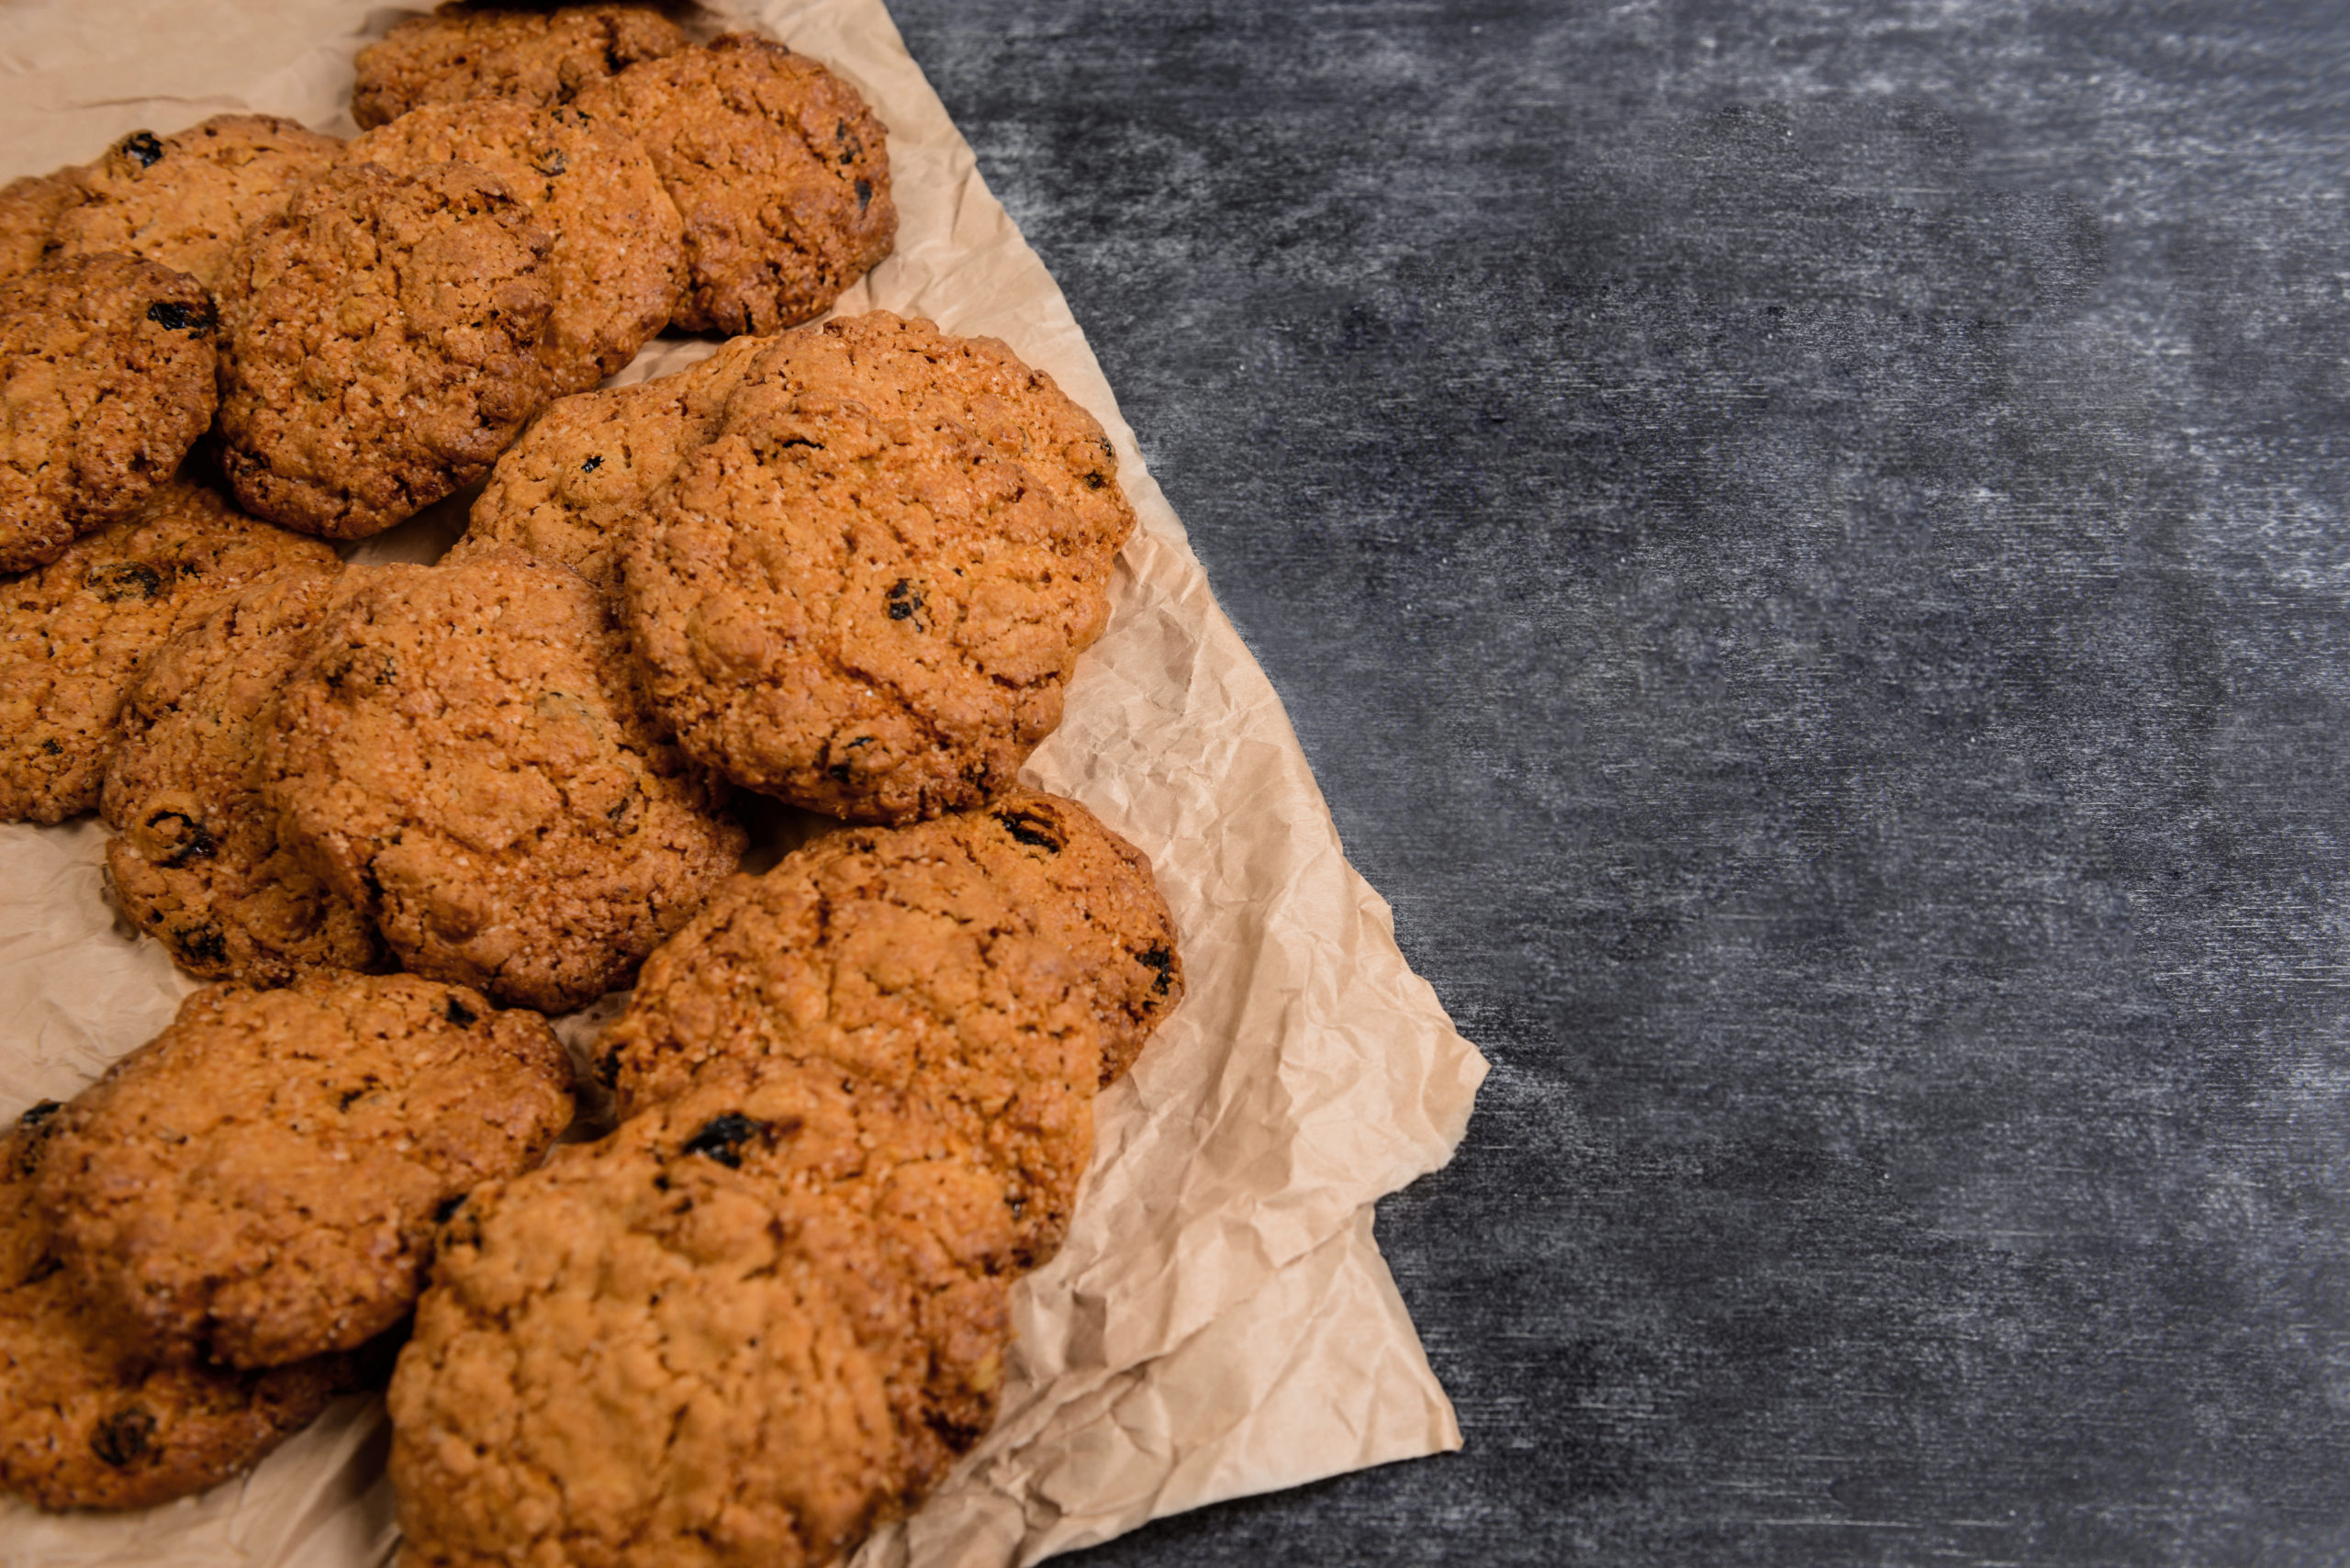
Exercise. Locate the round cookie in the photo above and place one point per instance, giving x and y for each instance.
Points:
(891, 956)
(76, 635)
(867, 594)
(380, 343)
(540, 57)
(184, 199)
(464, 756)
(1093, 892)
(29, 210)
(106, 380)
(617, 260)
(589, 466)
(781, 171)
(88, 1423)
(260, 1182)
(746, 1328)
(196, 860)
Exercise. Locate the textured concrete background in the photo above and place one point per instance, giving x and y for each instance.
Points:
(1806, 544)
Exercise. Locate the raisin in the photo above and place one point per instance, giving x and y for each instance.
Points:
(50, 748)
(195, 839)
(722, 1138)
(595, 461)
(173, 317)
(864, 195)
(142, 149)
(122, 1436)
(458, 1014)
(1030, 831)
(555, 163)
(36, 1115)
(903, 599)
(116, 583)
(1162, 960)
(203, 942)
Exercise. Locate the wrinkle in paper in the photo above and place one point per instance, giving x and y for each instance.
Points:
(1220, 1322)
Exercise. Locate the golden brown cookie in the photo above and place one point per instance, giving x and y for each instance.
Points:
(891, 955)
(1093, 892)
(617, 261)
(260, 1182)
(540, 57)
(589, 466)
(780, 170)
(185, 199)
(29, 210)
(867, 594)
(196, 861)
(747, 1327)
(106, 380)
(464, 756)
(380, 343)
(76, 635)
(87, 1423)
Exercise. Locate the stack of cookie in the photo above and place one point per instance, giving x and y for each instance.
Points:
(851, 566)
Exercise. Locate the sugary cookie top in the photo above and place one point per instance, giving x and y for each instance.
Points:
(106, 367)
(260, 1182)
(75, 636)
(617, 260)
(381, 344)
(867, 594)
(185, 199)
(87, 1423)
(590, 467)
(540, 57)
(747, 1328)
(464, 756)
(781, 171)
(196, 860)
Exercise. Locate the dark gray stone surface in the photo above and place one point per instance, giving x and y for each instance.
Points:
(1806, 544)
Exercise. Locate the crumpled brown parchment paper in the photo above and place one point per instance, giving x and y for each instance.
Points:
(1220, 1322)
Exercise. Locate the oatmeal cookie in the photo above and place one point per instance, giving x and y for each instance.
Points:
(747, 1327)
(88, 1423)
(464, 756)
(540, 57)
(196, 860)
(592, 464)
(617, 259)
(780, 170)
(1093, 892)
(184, 199)
(891, 956)
(380, 345)
(76, 635)
(106, 381)
(867, 594)
(260, 1182)
(29, 210)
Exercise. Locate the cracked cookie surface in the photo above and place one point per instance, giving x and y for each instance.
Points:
(196, 860)
(747, 1328)
(890, 955)
(465, 756)
(381, 344)
(106, 367)
(260, 1183)
(616, 258)
(866, 595)
(86, 1422)
(185, 199)
(76, 635)
(540, 57)
(779, 169)
(589, 467)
